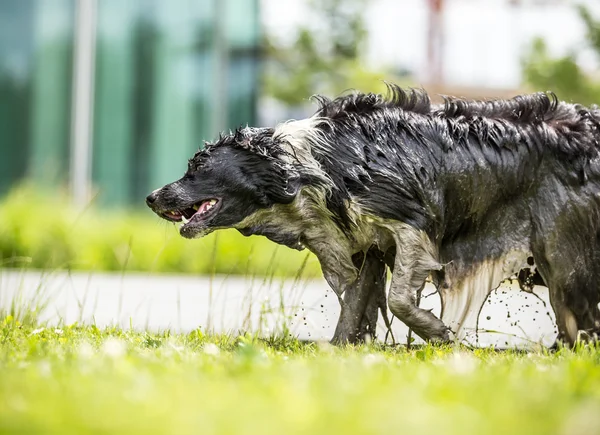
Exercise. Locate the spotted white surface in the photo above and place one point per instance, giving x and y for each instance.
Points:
(509, 317)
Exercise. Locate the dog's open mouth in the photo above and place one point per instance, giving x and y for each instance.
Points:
(198, 212)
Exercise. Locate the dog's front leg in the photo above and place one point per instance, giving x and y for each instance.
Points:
(359, 307)
(342, 275)
(415, 259)
(352, 299)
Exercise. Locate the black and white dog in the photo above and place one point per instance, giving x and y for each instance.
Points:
(466, 194)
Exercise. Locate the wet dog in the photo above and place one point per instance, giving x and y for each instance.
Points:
(466, 194)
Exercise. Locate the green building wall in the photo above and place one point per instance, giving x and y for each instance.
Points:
(168, 75)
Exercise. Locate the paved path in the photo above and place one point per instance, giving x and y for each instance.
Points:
(231, 304)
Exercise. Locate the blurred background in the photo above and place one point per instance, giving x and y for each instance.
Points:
(102, 101)
(111, 97)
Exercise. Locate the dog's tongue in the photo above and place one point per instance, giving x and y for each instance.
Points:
(203, 207)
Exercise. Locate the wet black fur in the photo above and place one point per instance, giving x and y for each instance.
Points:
(434, 161)
(476, 176)
(450, 170)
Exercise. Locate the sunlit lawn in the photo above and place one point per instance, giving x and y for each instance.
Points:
(85, 380)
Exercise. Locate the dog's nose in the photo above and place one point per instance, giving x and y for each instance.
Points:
(150, 199)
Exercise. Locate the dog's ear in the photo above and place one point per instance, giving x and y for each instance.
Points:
(283, 190)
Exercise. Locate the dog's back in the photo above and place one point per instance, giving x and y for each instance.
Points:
(499, 185)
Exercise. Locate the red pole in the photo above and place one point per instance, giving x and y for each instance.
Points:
(435, 42)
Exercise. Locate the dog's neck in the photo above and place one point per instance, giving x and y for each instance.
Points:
(305, 222)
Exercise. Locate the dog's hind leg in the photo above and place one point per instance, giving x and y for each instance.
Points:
(573, 282)
(360, 303)
(558, 287)
(415, 259)
(566, 249)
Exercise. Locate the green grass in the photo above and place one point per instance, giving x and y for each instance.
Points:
(45, 231)
(76, 380)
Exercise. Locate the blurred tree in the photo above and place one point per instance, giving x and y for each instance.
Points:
(324, 57)
(563, 75)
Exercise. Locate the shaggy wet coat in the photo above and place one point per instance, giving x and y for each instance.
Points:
(467, 193)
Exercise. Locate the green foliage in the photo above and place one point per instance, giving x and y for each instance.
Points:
(325, 58)
(46, 232)
(74, 379)
(563, 75)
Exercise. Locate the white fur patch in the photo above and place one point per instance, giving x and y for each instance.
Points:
(303, 139)
(463, 300)
(303, 135)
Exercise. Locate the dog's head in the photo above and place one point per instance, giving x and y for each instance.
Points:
(226, 182)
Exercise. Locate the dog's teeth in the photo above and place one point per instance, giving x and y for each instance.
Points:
(212, 202)
(196, 207)
(184, 220)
